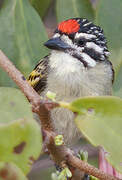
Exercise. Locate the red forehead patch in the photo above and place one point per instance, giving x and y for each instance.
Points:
(69, 26)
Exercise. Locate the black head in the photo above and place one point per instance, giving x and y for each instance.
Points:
(81, 39)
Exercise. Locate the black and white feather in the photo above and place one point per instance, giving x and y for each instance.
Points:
(81, 68)
(88, 44)
(38, 77)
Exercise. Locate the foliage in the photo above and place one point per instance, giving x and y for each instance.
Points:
(21, 138)
(11, 171)
(77, 8)
(63, 175)
(100, 120)
(59, 140)
(109, 16)
(41, 6)
(22, 35)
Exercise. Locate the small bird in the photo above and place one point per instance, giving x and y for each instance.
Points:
(77, 66)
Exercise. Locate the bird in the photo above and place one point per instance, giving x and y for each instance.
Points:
(77, 66)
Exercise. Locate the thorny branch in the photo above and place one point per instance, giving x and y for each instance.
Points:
(42, 107)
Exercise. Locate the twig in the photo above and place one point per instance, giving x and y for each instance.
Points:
(58, 153)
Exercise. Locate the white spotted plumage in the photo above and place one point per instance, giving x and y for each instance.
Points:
(96, 47)
(84, 35)
(69, 79)
(76, 67)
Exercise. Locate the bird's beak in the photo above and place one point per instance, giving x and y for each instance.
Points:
(57, 44)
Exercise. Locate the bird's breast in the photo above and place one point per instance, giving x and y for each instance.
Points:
(69, 79)
(65, 75)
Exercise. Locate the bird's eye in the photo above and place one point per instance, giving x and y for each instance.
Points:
(81, 42)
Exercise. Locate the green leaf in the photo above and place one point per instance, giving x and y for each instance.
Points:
(117, 87)
(83, 155)
(59, 140)
(64, 174)
(100, 120)
(21, 141)
(22, 35)
(66, 9)
(51, 95)
(10, 171)
(109, 17)
(68, 172)
(41, 6)
(118, 83)
(13, 105)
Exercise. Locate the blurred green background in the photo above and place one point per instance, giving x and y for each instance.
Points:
(26, 24)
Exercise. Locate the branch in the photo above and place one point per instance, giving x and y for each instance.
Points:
(41, 107)
(38, 105)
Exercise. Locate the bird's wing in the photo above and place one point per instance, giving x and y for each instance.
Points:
(38, 77)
